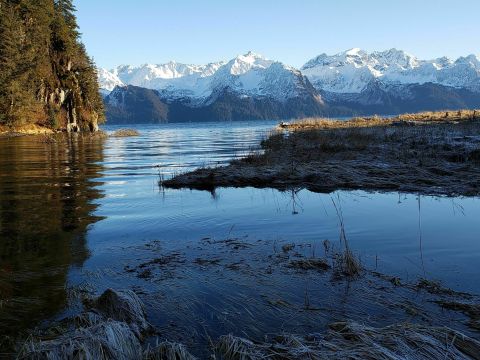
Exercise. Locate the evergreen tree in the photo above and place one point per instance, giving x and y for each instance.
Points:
(12, 71)
(44, 68)
(67, 10)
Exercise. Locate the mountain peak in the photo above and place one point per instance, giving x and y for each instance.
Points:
(252, 54)
(244, 63)
(355, 52)
(251, 57)
(352, 70)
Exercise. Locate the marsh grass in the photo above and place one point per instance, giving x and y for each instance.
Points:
(346, 262)
(350, 340)
(404, 119)
(168, 351)
(426, 153)
(104, 341)
(125, 133)
(124, 306)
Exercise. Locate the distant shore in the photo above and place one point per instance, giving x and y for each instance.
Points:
(432, 153)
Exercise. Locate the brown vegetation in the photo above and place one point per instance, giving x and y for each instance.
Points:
(125, 133)
(28, 129)
(428, 153)
(404, 119)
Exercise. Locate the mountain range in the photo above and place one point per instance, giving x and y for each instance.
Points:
(251, 86)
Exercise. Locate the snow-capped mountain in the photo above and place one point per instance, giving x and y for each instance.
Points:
(249, 75)
(108, 80)
(353, 70)
(251, 86)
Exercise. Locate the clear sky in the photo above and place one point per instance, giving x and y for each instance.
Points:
(292, 31)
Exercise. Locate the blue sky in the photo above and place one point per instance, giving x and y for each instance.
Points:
(293, 31)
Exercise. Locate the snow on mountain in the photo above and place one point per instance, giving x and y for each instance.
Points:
(108, 80)
(248, 75)
(252, 75)
(351, 71)
(179, 80)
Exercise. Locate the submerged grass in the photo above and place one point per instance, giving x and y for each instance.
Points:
(309, 264)
(112, 317)
(168, 351)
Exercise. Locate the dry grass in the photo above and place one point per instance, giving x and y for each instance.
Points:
(471, 310)
(27, 129)
(404, 119)
(105, 341)
(349, 340)
(125, 133)
(124, 306)
(111, 329)
(168, 351)
(346, 263)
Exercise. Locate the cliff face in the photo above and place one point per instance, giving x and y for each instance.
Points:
(46, 76)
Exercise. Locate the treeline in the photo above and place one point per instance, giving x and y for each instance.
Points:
(46, 76)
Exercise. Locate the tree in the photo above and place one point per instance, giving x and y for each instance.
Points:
(44, 68)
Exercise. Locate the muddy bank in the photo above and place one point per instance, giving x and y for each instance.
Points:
(429, 153)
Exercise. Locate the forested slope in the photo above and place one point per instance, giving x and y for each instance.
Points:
(46, 76)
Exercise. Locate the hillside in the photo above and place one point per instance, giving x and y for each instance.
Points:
(46, 76)
(251, 86)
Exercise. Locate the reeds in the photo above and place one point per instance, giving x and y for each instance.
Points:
(346, 262)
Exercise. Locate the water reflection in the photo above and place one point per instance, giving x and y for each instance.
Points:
(48, 194)
(47, 198)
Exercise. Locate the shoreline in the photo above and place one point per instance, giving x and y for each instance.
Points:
(427, 153)
(30, 129)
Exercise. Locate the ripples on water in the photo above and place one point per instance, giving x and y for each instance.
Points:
(79, 217)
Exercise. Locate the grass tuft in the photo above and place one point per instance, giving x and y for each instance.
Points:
(125, 133)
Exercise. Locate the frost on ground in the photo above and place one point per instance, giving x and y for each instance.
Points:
(427, 153)
(355, 341)
(114, 325)
(103, 337)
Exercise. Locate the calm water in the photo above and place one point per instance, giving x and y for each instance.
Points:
(90, 215)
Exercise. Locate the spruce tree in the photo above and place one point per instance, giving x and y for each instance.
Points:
(44, 68)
